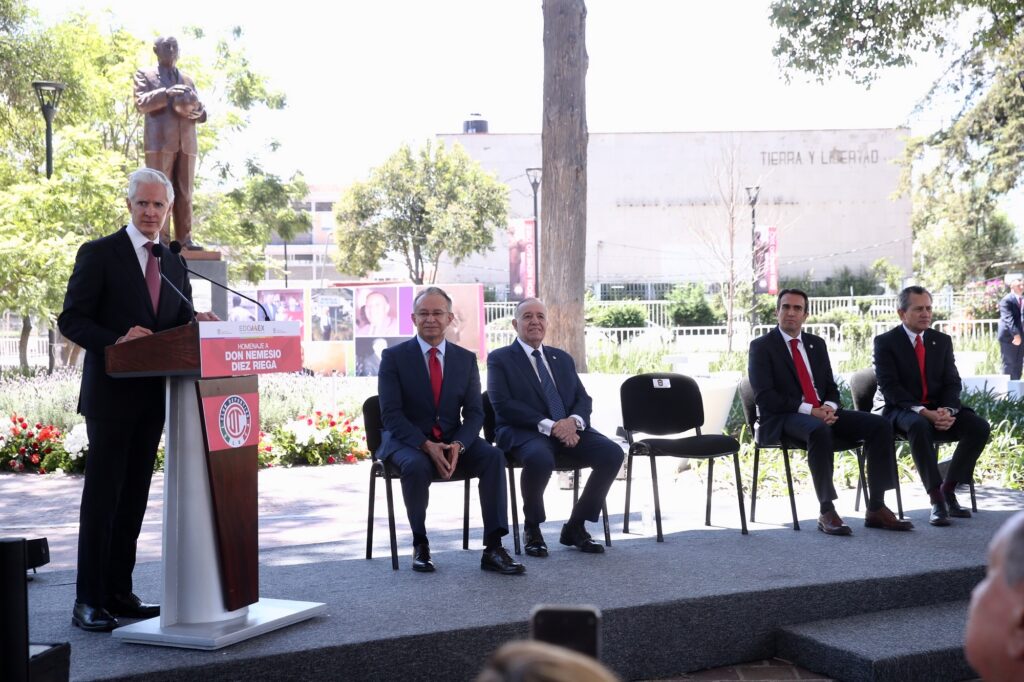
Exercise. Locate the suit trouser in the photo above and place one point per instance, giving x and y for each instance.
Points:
(969, 429)
(1013, 359)
(875, 431)
(180, 169)
(118, 471)
(537, 457)
(480, 460)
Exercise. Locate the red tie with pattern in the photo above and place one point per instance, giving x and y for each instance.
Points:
(919, 351)
(806, 385)
(435, 387)
(153, 277)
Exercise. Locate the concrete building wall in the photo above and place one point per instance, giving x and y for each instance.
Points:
(657, 208)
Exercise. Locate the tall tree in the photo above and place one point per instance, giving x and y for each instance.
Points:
(419, 207)
(563, 247)
(977, 155)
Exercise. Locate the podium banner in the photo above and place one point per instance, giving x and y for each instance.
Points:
(231, 421)
(235, 348)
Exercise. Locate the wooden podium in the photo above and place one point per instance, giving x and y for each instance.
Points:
(210, 541)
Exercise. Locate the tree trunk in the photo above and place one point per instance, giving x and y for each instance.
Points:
(564, 198)
(26, 333)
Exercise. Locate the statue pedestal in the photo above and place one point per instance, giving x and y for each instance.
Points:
(205, 295)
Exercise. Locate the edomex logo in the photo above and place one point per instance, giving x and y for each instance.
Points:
(235, 421)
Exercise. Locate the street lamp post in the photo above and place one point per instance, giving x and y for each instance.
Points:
(752, 194)
(48, 93)
(534, 175)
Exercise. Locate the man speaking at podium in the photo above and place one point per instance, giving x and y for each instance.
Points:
(116, 294)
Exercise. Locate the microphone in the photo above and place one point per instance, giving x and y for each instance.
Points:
(175, 248)
(158, 252)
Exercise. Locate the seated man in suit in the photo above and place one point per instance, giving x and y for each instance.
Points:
(1009, 335)
(541, 409)
(432, 414)
(797, 398)
(919, 392)
(994, 641)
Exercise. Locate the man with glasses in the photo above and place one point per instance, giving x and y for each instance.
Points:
(432, 413)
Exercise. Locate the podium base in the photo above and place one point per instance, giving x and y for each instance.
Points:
(262, 617)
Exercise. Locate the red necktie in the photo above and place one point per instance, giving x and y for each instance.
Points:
(919, 351)
(153, 277)
(806, 385)
(435, 387)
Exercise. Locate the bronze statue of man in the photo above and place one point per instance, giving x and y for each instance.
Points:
(168, 100)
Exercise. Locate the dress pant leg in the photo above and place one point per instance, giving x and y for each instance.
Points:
(972, 432)
(921, 435)
(604, 458)
(487, 463)
(131, 507)
(879, 454)
(164, 162)
(182, 179)
(416, 471)
(817, 437)
(537, 458)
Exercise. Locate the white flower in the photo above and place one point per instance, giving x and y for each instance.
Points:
(302, 430)
(76, 441)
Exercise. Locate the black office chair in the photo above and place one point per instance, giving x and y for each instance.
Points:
(380, 469)
(785, 444)
(662, 404)
(512, 464)
(863, 385)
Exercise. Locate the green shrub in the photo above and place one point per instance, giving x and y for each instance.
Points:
(689, 306)
(623, 315)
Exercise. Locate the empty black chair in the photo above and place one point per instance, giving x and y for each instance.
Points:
(746, 392)
(512, 464)
(381, 469)
(662, 404)
(863, 385)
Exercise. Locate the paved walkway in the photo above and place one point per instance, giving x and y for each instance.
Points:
(303, 507)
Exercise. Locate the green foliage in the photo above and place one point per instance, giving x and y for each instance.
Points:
(689, 306)
(977, 155)
(419, 206)
(617, 316)
(863, 282)
(982, 300)
(317, 439)
(608, 358)
(888, 274)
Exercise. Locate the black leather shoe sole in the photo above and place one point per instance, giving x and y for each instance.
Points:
(831, 530)
(512, 569)
(960, 513)
(939, 520)
(421, 567)
(94, 626)
(537, 550)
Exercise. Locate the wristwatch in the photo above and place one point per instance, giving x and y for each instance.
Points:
(462, 448)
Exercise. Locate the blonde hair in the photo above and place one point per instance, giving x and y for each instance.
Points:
(532, 661)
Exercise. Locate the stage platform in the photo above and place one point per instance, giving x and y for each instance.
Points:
(846, 607)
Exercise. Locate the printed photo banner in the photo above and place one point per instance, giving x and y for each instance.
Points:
(239, 348)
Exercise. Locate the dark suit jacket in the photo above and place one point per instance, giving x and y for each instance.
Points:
(518, 399)
(165, 130)
(899, 379)
(1009, 317)
(407, 403)
(776, 387)
(106, 296)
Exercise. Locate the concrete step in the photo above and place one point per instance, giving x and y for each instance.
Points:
(899, 645)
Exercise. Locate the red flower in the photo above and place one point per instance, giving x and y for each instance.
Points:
(334, 423)
(30, 435)
(319, 413)
(350, 458)
(42, 470)
(39, 425)
(14, 418)
(309, 421)
(331, 460)
(34, 459)
(348, 429)
(13, 464)
(21, 450)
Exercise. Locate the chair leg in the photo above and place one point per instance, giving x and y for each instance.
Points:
(369, 513)
(629, 484)
(575, 486)
(515, 509)
(974, 500)
(391, 522)
(739, 492)
(657, 501)
(607, 530)
(862, 482)
(753, 486)
(711, 478)
(896, 477)
(465, 517)
(789, 483)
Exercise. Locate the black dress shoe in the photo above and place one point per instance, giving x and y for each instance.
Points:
(955, 510)
(130, 606)
(421, 558)
(535, 545)
(577, 536)
(499, 561)
(92, 618)
(939, 515)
